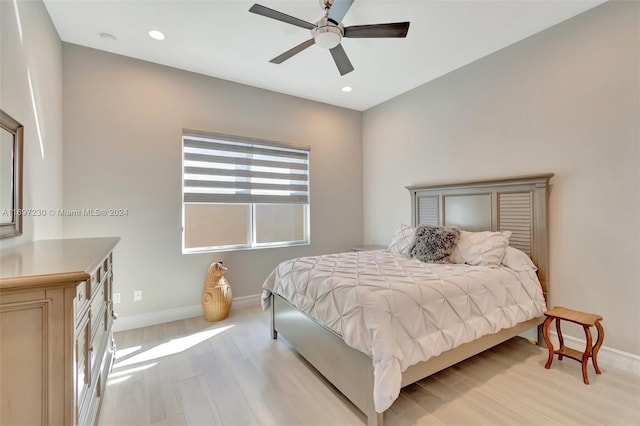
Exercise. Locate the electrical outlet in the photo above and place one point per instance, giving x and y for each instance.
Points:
(137, 296)
(116, 298)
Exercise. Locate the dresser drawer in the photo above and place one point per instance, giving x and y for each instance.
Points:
(108, 287)
(98, 299)
(106, 264)
(82, 298)
(88, 410)
(94, 282)
(107, 363)
(99, 332)
(82, 365)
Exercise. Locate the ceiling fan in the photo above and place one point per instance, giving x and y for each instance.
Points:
(329, 31)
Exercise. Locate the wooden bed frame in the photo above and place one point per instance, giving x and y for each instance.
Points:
(515, 204)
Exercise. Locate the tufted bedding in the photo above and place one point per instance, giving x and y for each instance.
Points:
(401, 311)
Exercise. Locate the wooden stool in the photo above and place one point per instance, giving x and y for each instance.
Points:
(586, 321)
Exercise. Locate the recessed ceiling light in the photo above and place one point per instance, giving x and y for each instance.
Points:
(108, 37)
(156, 35)
(347, 89)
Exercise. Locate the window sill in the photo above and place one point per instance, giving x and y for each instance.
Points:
(243, 248)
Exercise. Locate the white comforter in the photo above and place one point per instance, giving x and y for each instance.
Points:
(402, 311)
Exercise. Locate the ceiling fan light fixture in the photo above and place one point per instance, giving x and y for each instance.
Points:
(327, 40)
(327, 34)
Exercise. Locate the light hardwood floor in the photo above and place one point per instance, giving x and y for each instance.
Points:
(192, 372)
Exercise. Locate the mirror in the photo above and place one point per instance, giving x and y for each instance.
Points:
(11, 140)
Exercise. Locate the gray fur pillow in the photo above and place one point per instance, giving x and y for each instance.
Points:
(434, 244)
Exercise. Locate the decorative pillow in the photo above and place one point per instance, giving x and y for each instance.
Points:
(518, 260)
(403, 240)
(434, 244)
(484, 248)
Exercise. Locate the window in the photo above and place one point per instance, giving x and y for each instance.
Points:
(242, 193)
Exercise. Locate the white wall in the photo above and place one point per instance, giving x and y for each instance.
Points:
(122, 127)
(31, 93)
(564, 101)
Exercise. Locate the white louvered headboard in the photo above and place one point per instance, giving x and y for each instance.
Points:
(515, 204)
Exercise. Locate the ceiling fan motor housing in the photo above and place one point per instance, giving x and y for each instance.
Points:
(327, 33)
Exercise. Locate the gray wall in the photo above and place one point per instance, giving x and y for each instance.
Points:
(122, 128)
(31, 92)
(564, 101)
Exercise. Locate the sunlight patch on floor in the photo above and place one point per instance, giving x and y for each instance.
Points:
(171, 347)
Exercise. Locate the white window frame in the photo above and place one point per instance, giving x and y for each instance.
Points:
(245, 196)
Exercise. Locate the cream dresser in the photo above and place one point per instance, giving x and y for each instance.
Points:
(56, 344)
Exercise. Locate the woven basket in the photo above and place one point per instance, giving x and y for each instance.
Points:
(216, 297)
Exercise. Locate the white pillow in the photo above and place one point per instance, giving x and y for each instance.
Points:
(403, 240)
(484, 248)
(518, 260)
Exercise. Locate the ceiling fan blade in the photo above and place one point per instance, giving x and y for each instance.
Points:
(339, 9)
(341, 59)
(274, 14)
(289, 53)
(396, 29)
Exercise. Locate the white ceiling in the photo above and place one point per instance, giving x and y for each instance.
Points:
(220, 38)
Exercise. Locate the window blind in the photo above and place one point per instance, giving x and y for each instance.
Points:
(228, 169)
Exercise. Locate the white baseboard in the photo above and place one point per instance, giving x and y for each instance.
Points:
(606, 356)
(175, 314)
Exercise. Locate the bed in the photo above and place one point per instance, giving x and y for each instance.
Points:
(352, 332)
